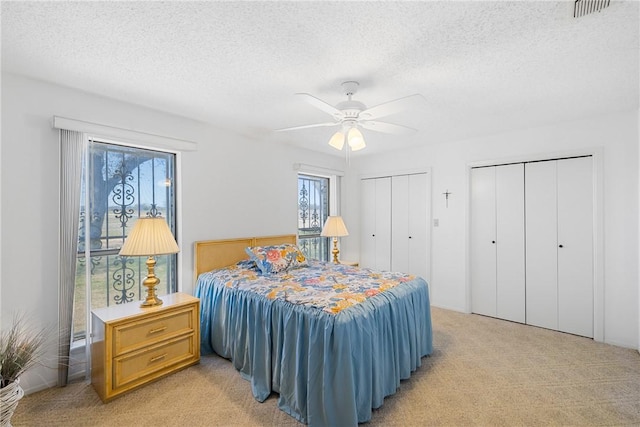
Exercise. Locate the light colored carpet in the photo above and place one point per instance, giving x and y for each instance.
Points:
(483, 371)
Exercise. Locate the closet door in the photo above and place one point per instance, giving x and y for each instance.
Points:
(409, 224)
(575, 246)
(483, 241)
(497, 242)
(541, 238)
(400, 223)
(376, 223)
(559, 211)
(383, 224)
(418, 255)
(510, 246)
(368, 222)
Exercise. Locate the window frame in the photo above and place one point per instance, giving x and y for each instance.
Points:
(302, 237)
(137, 139)
(335, 181)
(160, 147)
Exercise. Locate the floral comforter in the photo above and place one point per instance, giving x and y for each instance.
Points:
(330, 287)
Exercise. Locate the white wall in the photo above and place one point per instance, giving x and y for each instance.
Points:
(230, 188)
(617, 134)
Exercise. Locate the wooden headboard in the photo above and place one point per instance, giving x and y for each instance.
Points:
(212, 254)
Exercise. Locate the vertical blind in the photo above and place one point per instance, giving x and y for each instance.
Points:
(72, 149)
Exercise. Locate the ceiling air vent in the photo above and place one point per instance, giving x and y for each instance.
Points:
(585, 7)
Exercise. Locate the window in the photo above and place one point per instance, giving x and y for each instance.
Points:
(119, 185)
(313, 209)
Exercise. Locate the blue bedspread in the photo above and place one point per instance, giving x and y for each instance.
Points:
(329, 367)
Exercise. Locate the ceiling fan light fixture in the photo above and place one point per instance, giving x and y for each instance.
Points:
(337, 140)
(355, 139)
(352, 115)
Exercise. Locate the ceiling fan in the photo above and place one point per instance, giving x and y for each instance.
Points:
(351, 115)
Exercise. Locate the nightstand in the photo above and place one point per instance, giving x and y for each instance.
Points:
(132, 346)
(351, 263)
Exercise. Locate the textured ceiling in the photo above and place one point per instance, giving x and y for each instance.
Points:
(482, 67)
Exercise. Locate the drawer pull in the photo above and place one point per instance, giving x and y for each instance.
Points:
(156, 358)
(156, 330)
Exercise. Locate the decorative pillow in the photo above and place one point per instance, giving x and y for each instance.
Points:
(277, 259)
(247, 264)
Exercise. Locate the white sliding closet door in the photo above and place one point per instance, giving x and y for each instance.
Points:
(575, 246)
(483, 241)
(542, 255)
(510, 247)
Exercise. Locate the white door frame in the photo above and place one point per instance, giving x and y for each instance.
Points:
(429, 221)
(598, 224)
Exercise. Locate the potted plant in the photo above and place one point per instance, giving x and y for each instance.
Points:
(20, 348)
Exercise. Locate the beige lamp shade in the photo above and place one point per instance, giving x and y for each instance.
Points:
(334, 227)
(337, 140)
(150, 236)
(355, 139)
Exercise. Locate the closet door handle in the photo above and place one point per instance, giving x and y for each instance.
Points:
(409, 236)
(493, 241)
(561, 246)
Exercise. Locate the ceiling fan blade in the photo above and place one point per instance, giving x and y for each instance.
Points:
(315, 125)
(386, 127)
(320, 104)
(393, 107)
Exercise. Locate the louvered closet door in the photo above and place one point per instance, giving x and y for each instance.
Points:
(575, 246)
(510, 247)
(541, 243)
(483, 241)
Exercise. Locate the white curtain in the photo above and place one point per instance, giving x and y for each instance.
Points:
(72, 149)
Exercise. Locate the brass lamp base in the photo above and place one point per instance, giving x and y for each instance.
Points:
(151, 281)
(335, 250)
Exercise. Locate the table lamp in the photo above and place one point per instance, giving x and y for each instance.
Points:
(150, 236)
(334, 227)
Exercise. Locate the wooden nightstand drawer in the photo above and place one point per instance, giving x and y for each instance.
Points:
(138, 365)
(132, 336)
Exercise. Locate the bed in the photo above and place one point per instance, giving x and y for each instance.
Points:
(331, 357)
